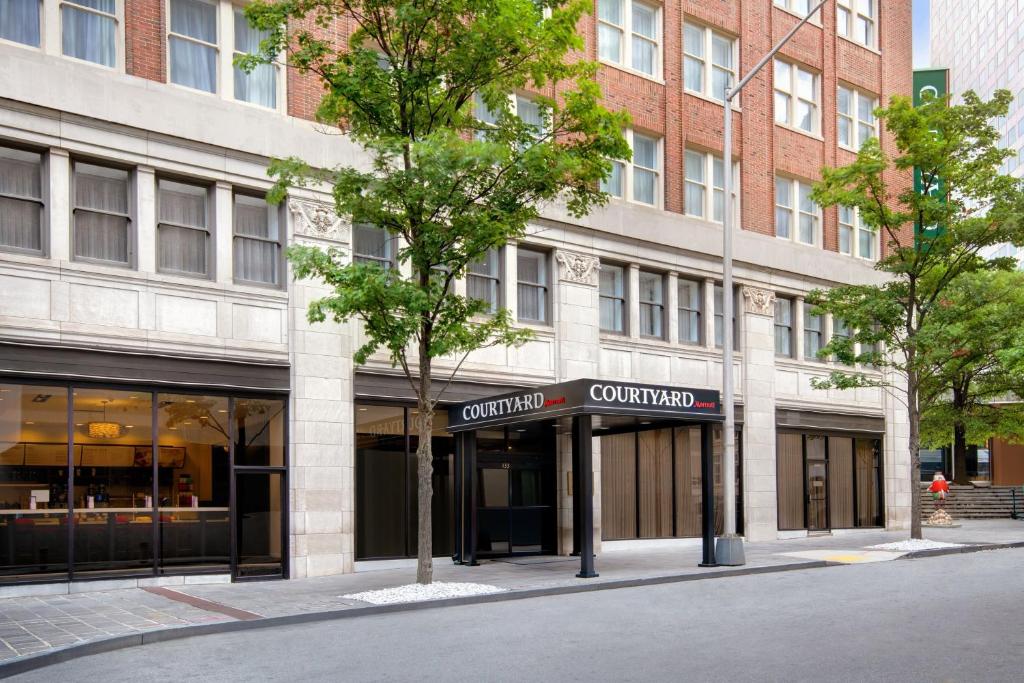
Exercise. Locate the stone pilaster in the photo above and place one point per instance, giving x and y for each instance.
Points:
(577, 329)
(322, 455)
(759, 470)
(898, 486)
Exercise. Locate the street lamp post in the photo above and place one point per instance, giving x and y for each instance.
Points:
(729, 549)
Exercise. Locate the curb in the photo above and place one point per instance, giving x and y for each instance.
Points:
(976, 548)
(93, 647)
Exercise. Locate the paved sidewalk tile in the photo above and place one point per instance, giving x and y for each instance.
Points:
(30, 625)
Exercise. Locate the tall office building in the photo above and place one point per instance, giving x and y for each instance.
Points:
(167, 409)
(987, 55)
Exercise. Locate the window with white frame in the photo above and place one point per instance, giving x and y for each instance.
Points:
(840, 329)
(629, 33)
(855, 19)
(797, 216)
(801, 7)
(483, 280)
(612, 290)
(689, 305)
(709, 61)
(652, 304)
(814, 327)
(89, 30)
(532, 285)
(856, 238)
(100, 216)
(183, 232)
(856, 122)
(192, 44)
(796, 96)
(520, 105)
(703, 198)
(371, 244)
(638, 179)
(784, 327)
(21, 200)
(20, 21)
(257, 240)
(258, 86)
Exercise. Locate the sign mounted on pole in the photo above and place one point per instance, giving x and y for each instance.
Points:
(929, 84)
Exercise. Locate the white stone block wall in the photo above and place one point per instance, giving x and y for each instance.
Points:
(760, 499)
(322, 448)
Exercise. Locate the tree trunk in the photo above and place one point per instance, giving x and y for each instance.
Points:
(959, 440)
(914, 415)
(960, 453)
(424, 475)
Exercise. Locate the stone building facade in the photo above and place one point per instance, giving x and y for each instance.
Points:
(126, 105)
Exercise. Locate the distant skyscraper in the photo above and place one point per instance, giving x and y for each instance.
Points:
(982, 44)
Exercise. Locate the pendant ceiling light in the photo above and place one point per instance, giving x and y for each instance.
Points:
(105, 429)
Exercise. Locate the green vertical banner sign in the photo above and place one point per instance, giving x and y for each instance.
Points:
(929, 83)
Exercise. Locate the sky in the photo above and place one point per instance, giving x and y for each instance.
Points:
(922, 49)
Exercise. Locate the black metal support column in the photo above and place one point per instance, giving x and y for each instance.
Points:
(469, 496)
(457, 489)
(583, 496)
(577, 522)
(707, 500)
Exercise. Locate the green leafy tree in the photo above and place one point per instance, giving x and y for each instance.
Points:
(450, 185)
(969, 388)
(981, 208)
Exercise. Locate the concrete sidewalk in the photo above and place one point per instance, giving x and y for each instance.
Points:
(36, 625)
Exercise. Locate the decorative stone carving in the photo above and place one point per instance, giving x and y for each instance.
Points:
(579, 268)
(317, 219)
(759, 301)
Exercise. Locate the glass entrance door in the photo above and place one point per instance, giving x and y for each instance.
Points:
(516, 492)
(817, 484)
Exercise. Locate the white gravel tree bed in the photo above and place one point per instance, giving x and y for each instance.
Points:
(914, 544)
(416, 592)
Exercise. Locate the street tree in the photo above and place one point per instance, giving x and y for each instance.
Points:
(426, 89)
(963, 207)
(969, 390)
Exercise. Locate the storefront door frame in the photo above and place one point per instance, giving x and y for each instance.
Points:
(154, 389)
(580, 400)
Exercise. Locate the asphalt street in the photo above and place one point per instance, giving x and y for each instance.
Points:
(951, 618)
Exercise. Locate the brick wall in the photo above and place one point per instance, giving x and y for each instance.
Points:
(661, 107)
(144, 39)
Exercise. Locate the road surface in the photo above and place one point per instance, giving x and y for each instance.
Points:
(951, 618)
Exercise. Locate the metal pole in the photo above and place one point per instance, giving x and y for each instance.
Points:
(707, 495)
(583, 497)
(730, 546)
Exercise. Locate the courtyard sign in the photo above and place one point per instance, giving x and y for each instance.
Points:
(586, 396)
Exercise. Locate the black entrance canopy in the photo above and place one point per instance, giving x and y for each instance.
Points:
(579, 399)
(587, 397)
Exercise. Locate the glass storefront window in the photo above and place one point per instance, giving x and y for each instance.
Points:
(386, 516)
(193, 481)
(260, 515)
(381, 495)
(113, 480)
(102, 504)
(663, 468)
(259, 432)
(33, 480)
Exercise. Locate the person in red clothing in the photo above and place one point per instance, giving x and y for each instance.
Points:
(939, 488)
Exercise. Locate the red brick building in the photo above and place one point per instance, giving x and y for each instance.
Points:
(182, 297)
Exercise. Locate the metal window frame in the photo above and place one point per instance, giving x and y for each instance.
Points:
(131, 188)
(209, 229)
(621, 300)
(155, 390)
(279, 261)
